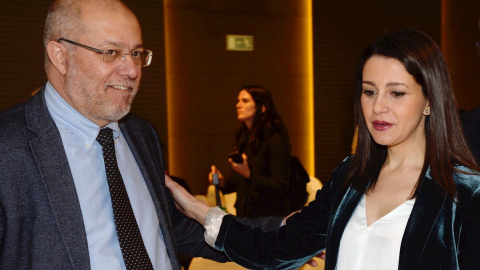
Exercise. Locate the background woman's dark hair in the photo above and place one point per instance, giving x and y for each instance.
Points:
(445, 143)
(264, 124)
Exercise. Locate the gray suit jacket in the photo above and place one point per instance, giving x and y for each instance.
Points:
(41, 224)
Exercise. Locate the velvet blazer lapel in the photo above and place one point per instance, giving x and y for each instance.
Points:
(47, 149)
(345, 209)
(428, 206)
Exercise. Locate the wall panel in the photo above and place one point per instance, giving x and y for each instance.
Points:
(203, 79)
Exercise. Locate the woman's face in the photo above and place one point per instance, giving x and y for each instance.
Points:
(246, 108)
(393, 103)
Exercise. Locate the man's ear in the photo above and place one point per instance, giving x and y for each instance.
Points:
(263, 108)
(58, 56)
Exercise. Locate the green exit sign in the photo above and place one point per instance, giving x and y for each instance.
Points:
(239, 43)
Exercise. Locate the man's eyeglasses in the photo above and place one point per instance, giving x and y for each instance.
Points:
(140, 58)
(478, 47)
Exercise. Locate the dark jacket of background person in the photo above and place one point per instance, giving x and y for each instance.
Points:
(266, 192)
(264, 139)
(440, 234)
(41, 224)
(471, 129)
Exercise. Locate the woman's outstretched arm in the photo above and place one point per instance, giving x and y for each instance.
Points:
(186, 203)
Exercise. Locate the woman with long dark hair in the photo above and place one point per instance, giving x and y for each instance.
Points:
(261, 178)
(408, 199)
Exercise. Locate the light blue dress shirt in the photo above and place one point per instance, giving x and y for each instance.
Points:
(85, 158)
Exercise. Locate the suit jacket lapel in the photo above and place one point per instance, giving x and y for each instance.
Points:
(48, 151)
(143, 153)
(425, 212)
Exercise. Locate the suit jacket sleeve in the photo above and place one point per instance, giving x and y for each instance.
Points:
(179, 232)
(2, 226)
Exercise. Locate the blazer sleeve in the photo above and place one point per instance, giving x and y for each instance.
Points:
(190, 239)
(302, 237)
(469, 246)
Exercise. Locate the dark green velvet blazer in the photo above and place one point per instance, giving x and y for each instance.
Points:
(440, 233)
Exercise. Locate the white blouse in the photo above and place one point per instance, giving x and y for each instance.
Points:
(374, 247)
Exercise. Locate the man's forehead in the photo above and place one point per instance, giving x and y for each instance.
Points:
(99, 10)
(118, 25)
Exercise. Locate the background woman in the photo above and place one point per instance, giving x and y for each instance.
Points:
(261, 179)
(408, 199)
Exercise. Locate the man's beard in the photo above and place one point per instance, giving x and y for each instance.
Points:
(95, 103)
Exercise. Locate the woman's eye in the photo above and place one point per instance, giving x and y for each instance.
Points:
(369, 92)
(398, 94)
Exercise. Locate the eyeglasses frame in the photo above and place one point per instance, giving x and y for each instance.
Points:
(104, 52)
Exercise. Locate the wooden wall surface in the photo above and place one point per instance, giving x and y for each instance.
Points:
(190, 90)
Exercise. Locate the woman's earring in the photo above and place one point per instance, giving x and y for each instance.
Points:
(427, 112)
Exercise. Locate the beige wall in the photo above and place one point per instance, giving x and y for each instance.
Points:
(203, 78)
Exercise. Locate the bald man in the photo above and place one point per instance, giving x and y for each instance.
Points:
(56, 209)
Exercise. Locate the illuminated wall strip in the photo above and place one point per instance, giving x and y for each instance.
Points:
(168, 66)
(310, 127)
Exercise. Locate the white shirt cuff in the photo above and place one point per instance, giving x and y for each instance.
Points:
(213, 222)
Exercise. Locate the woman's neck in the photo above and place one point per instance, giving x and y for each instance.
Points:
(410, 155)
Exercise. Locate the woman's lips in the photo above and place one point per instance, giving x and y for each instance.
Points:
(381, 125)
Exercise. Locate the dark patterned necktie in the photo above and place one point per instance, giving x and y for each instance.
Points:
(131, 243)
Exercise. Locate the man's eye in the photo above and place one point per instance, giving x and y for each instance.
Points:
(136, 54)
(111, 52)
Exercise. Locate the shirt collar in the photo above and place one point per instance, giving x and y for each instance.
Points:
(66, 116)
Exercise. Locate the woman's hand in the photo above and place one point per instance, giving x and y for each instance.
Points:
(186, 203)
(314, 263)
(221, 180)
(241, 168)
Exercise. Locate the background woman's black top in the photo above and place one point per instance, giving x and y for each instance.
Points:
(265, 193)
